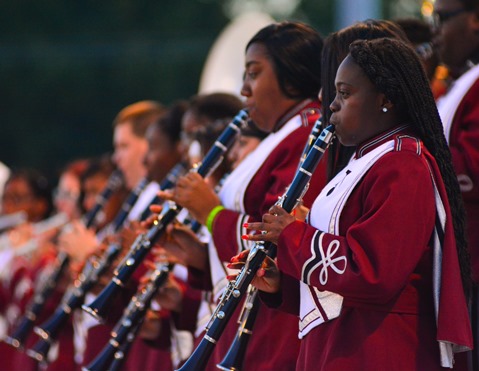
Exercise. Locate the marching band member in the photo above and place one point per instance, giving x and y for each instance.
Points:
(383, 255)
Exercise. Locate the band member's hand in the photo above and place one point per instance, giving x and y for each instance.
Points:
(170, 295)
(195, 194)
(271, 227)
(184, 245)
(155, 212)
(301, 212)
(151, 326)
(268, 277)
(78, 241)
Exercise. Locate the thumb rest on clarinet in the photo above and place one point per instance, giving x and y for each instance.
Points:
(235, 290)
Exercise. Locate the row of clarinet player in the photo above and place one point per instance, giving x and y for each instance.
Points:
(327, 220)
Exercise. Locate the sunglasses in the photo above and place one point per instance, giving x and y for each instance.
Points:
(440, 17)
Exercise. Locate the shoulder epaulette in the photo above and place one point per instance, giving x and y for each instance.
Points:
(407, 143)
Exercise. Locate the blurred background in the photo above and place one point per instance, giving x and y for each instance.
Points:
(68, 67)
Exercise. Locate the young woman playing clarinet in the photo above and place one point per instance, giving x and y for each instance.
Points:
(378, 273)
(281, 85)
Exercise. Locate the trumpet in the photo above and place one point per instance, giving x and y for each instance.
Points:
(36, 305)
(235, 290)
(142, 245)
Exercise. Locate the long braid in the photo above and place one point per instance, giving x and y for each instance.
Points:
(395, 70)
(335, 49)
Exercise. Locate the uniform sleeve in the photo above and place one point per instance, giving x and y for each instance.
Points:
(187, 317)
(287, 299)
(385, 228)
(463, 144)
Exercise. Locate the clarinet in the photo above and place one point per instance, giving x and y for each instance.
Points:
(73, 297)
(36, 305)
(120, 355)
(131, 319)
(233, 293)
(317, 128)
(101, 265)
(233, 359)
(142, 245)
(125, 330)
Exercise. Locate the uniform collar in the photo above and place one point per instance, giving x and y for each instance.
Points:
(376, 141)
(306, 103)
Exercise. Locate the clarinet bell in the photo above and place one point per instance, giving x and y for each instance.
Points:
(40, 350)
(50, 328)
(235, 355)
(99, 307)
(19, 336)
(103, 360)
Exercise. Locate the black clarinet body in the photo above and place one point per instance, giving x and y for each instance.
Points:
(236, 289)
(115, 351)
(114, 182)
(142, 245)
(101, 265)
(122, 352)
(131, 319)
(233, 359)
(235, 355)
(36, 305)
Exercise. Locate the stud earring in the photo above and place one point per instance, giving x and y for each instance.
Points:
(384, 109)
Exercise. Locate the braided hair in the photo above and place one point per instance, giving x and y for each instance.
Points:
(336, 48)
(394, 68)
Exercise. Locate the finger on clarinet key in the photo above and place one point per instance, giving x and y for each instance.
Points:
(237, 265)
(165, 195)
(256, 226)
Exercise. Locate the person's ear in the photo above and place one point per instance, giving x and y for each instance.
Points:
(474, 22)
(386, 104)
(39, 207)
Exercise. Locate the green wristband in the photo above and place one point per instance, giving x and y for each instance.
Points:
(212, 216)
